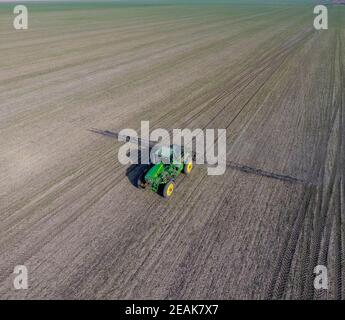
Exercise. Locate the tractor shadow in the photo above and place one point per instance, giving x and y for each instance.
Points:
(134, 171)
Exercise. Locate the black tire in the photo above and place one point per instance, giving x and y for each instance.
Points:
(169, 189)
(141, 184)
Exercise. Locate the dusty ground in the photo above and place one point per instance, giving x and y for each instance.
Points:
(68, 209)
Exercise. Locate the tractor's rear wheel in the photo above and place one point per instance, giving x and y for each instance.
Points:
(168, 189)
(188, 167)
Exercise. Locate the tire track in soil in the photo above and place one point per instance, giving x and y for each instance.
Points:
(312, 201)
(327, 191)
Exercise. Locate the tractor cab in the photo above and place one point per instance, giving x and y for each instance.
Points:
(162, 154)
(169, 155)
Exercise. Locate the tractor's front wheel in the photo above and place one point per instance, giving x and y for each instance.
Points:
(188, 167)
(168, 189)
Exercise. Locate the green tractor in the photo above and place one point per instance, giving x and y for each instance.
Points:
(168, 163)
(162, 173)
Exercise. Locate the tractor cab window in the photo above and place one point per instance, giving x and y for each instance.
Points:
(162, 154)
(169, 155)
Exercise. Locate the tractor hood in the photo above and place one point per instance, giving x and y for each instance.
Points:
(154, 172)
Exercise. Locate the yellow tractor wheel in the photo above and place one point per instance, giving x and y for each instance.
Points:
(168, 189)
(188, 168)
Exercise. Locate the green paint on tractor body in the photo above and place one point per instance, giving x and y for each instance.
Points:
(161, 174)
(166, 169)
